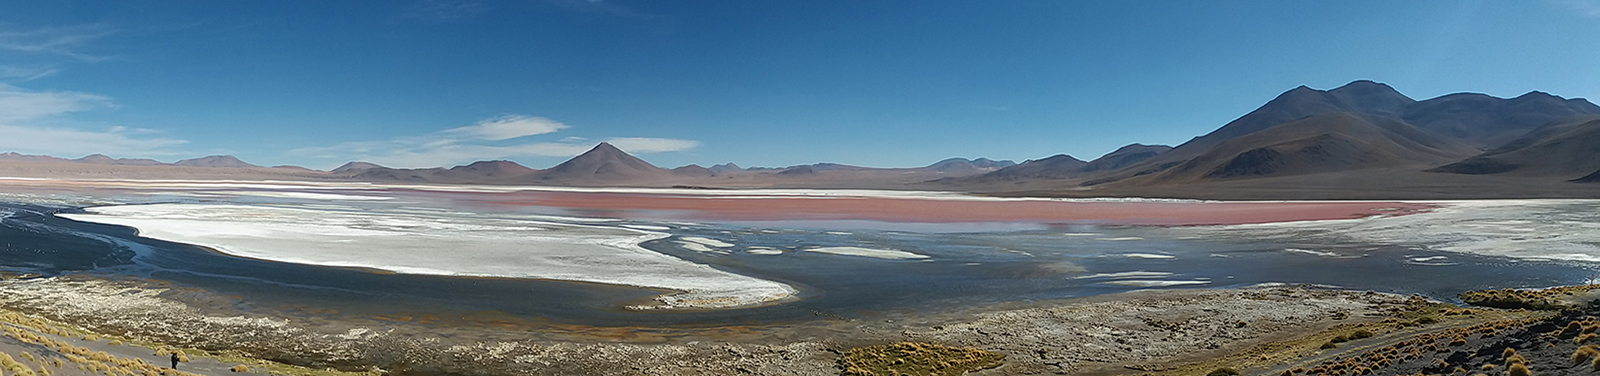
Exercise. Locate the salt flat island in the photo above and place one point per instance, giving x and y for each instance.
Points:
(441, 243)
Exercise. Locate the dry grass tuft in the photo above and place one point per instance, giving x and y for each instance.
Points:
(1585, 353)
(1516, 359)
(915, 358)
(1551, 299)
(1518, 369)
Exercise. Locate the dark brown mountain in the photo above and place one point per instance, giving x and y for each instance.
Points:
(1335, 141)
(1474, 120)
(355, 167)
(1490, 121)
(1359, 97)
(103, 159)
(1123, 157)
(227, 161)
(1567, 149)
(1591, 178)
(1055, 167)
(485, 170)
(1363, 97)
(605, 164)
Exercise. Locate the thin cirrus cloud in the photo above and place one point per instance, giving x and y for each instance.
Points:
(508, 127)
(60, 41)
(483, 140)
(26, 73)
(30, 122)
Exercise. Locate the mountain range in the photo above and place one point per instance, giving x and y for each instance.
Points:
(1361, 140)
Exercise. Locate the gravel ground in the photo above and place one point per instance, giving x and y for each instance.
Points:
(1107, 334)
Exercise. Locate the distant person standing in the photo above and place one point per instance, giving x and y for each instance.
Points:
(174, 360)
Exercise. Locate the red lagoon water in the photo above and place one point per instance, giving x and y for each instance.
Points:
(932, 210)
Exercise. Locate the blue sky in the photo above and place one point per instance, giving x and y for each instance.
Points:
(761, 83)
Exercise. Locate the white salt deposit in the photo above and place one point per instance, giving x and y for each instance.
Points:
(648, 227)
(1155, 283)
(445, 244)
(763, 251)
(1524, 229)
(1148, 256)
(706, 241)
(1134, 274)
(1310, 252)
(888, 254)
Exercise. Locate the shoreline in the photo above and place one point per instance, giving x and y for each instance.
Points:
(1092, 335)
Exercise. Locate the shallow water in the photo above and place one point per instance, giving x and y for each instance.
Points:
(887, 269)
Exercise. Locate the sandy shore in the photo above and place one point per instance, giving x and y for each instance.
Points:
(1101, 335)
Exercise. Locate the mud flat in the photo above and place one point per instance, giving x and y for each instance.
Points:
(1108, 334)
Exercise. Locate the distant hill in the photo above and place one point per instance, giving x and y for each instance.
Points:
(601, 165)
(1569, 148)
(13, 156)
(963, 166)
(103, 159)
(480, 172)
(1123, 157)
(355, 167)
(486, 170)
(693, 170)
(726, 167)
(227, 161)
(422, 175)
(798, 170)
(1054, 167)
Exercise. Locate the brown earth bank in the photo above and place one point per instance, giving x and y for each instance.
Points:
(1177, 331)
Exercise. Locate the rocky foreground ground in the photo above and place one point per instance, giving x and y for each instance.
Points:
(1264, 330)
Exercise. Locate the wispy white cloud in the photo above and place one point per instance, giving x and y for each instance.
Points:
(65, 142)
(1585, 8)
(475, 142)
(18, 105)
(508, 127)
(443, 10)
(26, 73)
(63, 41)
(23, 114)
